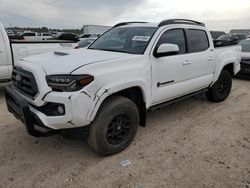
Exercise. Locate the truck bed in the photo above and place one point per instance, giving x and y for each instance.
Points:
(21, 49)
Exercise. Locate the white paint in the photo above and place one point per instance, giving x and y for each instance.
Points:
(114, 71)
(21, 50)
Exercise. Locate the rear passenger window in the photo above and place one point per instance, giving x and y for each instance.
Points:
(197, 40)
(174, 36)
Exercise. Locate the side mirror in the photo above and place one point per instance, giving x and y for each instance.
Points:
(166, 49)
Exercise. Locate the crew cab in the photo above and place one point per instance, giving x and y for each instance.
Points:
(106, 90)
(14, 50)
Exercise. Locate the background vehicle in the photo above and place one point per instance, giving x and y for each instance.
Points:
(28, 35)
(10, 33)
(92, 36)
(217, 34)
(245, 57)
(45, 36)
(226, 40)
(95, 28)
(85, 42)
(54, 33)
(107, 88)
(238, 37)
(14, 50)
(65, 36)
(33, 36)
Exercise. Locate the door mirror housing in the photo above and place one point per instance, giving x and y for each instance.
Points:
(166, 50)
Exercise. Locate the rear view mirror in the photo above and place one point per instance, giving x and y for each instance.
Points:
(166, 49)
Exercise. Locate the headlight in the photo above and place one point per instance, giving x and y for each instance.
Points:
(68, 83)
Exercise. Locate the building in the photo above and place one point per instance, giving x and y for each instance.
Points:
(93, 29)
(240, 31)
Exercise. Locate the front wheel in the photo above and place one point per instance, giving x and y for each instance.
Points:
(221, 88)
(115, 126)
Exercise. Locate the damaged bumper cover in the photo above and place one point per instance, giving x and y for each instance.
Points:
(77, 107)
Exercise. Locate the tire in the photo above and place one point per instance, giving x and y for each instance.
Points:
(221, 88)
(114, 127)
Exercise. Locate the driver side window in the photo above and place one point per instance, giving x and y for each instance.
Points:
(174, 36)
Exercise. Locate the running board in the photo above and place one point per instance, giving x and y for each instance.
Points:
(161, 105)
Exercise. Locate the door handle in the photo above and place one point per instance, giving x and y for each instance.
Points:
(210, 59)
(186, 62)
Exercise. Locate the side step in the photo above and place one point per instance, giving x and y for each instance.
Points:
(161, 105)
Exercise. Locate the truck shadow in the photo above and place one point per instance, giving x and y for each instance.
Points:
(57, 143)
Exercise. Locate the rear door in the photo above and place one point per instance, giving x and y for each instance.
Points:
(4, 64)
(201, 57)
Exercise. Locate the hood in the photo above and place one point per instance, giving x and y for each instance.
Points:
(66, 61)
(245, 56)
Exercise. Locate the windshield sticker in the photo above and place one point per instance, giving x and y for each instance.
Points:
(141, 38)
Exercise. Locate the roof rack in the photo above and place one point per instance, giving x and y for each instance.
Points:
(180, 21)
(126, 23)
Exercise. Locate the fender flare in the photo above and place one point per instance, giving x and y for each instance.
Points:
(107, 90)
(217, 71)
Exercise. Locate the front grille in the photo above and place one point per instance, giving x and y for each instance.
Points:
(24, 81)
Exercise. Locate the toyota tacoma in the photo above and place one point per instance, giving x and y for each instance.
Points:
(107, 89)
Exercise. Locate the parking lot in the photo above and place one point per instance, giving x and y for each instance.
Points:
(193, 143)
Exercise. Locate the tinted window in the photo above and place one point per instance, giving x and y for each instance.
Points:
(85, 36)
(197, 40)
(67, 36)
(46, 34)
(216, 34)
(175, 36)
(29, 34)
(225, 37)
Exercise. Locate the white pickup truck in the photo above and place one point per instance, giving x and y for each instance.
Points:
(34, 36)
(12, 51)
(106, 89)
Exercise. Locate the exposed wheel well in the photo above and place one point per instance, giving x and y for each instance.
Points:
(135, 94)
(230, 68)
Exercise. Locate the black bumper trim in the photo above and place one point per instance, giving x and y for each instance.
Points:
(18, 106)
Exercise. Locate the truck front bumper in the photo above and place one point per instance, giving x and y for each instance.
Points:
(74, 115)
(20, 109)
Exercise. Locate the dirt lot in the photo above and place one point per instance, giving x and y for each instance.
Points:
(193, 143)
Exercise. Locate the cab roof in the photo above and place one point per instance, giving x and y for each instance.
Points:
(162, 23)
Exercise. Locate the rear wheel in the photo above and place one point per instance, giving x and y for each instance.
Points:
(115, 126)
(221, 88)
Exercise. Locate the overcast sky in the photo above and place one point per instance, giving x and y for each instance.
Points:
(217, 14)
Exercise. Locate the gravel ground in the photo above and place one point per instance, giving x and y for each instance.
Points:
(193, 143)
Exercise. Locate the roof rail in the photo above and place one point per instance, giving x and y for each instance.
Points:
(180, 21)
(126, 23)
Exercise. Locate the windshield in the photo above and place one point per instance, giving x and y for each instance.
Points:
(245, 46)
(224, 37)
(132, 40)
